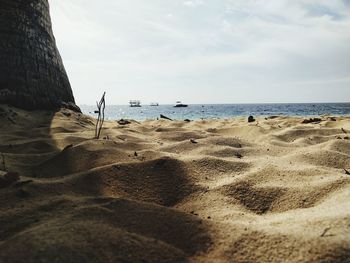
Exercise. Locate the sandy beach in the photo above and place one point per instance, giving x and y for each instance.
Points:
(275, 190)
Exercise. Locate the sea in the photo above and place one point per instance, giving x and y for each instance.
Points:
(219, 111)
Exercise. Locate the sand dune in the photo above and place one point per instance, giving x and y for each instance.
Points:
(173, 191)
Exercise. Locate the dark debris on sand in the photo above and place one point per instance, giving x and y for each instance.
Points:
(312, 120)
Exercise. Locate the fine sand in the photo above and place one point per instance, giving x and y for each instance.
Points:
(173, 191)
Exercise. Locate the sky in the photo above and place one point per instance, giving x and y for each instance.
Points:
(205, 51)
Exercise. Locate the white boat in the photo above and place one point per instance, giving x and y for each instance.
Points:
(135, 103)
(180, 105)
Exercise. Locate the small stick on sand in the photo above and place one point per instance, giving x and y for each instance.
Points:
(193, 141)
(101, 116)
(165, 117)
(325, 231)
(11, 120)
(346, 172)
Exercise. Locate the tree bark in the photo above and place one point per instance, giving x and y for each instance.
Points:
(32, 75)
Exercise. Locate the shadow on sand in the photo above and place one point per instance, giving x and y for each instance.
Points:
(73, 203)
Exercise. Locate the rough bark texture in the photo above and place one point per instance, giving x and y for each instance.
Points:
(32, 75)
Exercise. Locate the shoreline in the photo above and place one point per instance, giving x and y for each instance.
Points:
(222, 111)
(233, 118)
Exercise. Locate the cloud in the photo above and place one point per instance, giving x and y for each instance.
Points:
(193, 3)
(245, 50)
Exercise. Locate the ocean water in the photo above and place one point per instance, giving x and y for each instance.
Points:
(215, 111)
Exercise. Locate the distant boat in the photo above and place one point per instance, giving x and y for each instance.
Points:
(154, 104)
(135, 103)
(180, 105)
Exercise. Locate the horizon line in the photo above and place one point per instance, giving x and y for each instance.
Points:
(226, 103)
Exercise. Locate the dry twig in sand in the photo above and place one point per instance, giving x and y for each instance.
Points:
(325, 231)
(101, 116)
(165, 117)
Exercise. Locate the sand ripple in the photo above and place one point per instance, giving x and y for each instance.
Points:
(162, 191)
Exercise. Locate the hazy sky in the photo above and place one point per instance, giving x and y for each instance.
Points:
(205, 51)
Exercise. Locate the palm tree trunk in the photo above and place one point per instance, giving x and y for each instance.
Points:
(32, 75)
